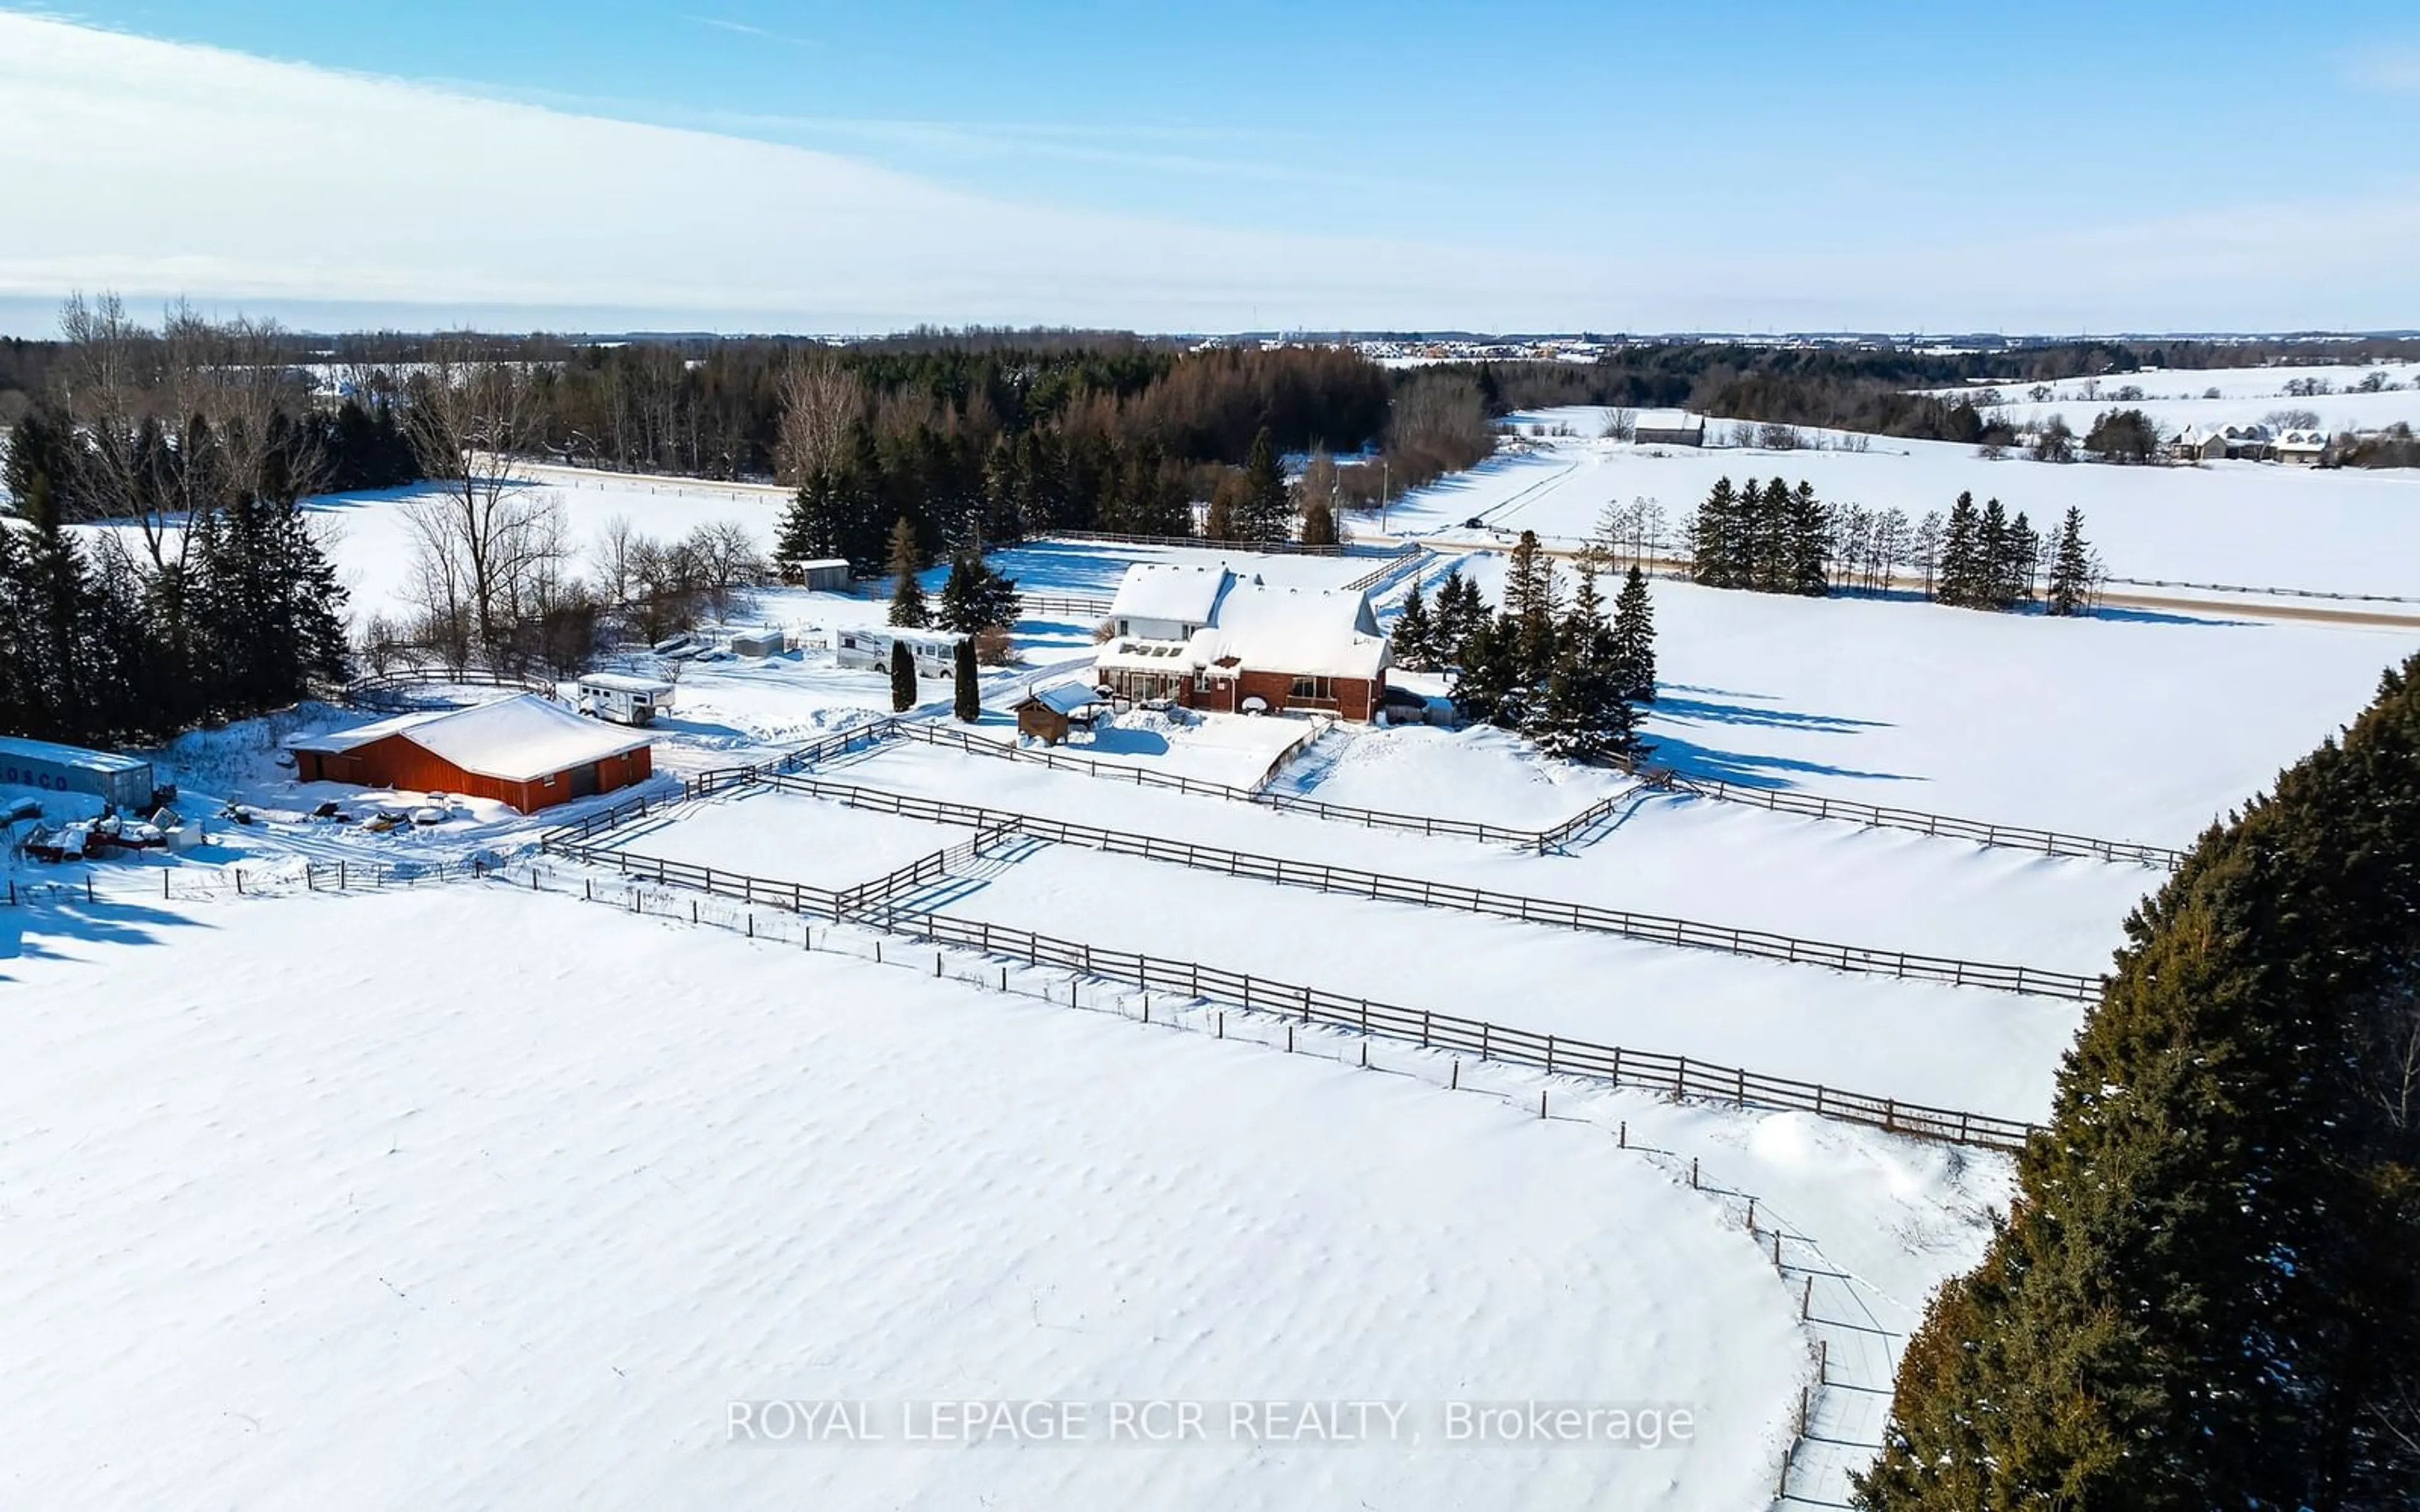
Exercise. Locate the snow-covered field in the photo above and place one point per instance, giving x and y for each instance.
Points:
(470, 1197)
(2178, 397)
(2128, 726)
(481, 1195)
(2246, 523)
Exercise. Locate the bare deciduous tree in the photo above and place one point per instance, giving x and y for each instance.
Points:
(485, 535)
(819, 399)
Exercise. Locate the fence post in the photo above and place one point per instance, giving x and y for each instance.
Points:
(1622, 1136)
(1693, 1173)
(1541, 1103)
(239, 880)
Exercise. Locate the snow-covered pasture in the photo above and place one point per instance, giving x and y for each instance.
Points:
(2246, 523)
(2127, 726)
(2178, 397)
(470, 1196)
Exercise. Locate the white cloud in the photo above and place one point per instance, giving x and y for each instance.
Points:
(161, 169)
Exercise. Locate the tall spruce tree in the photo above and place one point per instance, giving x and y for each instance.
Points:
(902, 677)
(1411, 641)
(1809, 535)
(1713, 537)
(2205, 1296)
(967, 691)
(1266, 507)
(975, 596)
(1962, 556)
(1487, 677)
(1633, 639)
(1993, 554)
(908, 606)
(2070, 572)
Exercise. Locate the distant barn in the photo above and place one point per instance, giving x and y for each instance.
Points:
(523, 751)
(1668, 428)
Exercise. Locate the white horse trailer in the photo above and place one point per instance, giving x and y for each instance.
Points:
(621, 699)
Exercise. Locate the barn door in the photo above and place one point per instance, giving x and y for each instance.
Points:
(584, 781)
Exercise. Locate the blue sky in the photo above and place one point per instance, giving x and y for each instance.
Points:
(1846, 132)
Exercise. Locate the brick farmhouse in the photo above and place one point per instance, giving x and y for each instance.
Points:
(1204, 638)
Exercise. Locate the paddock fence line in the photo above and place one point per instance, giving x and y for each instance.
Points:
(1681, 1076)
(1199, 542)
(1657, 929)
(1405, 555)
(1874, 816)
(2266, 593)
(396, 689)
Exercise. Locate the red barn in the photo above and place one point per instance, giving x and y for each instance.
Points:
(523, 751)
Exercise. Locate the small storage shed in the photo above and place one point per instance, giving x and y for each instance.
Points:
(623, 697)
(825, 575)
(1046, 713)
(764, 642)
(124, 780)
(524, 751)
(1668, 428)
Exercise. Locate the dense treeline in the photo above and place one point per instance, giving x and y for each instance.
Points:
(2204, 1295)
(230, 611)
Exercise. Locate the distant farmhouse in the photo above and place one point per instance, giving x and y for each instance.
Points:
(1668, 428)
(1204, 637)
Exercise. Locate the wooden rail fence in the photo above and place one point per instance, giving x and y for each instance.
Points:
(1319, 876)
(1617, 1065)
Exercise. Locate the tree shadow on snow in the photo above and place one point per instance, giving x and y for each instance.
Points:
(47, 913)
(1713, 712)
(1749, 769)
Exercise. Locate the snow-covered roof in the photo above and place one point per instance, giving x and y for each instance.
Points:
(75, 756)
(521, 739)
(1064, 698)
(824, 562)
(1169, 591)
(518, 739)
(1310, 632)
(1667, 420)
(338, 742)
(624, 683)
(1306, 632)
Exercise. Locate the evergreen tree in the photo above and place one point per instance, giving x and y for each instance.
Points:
(811, 526)
(2204, 1295)
(1488, 675)
(1413, 633)
(1633, 639)
(1713, 537)
(2023, 551)
(908, 606)
(1266, 507)
(1993, 558)
(1961, 555)
(2071, 572)
(967, 703)
(1809, 532)
(902, 678)
(976, 596)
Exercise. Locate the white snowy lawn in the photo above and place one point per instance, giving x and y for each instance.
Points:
(471, 1198)
(2128, 727)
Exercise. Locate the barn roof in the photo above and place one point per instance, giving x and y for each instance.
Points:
(1667, 420)
(624, 683)
(518, 739)
(1170, 590)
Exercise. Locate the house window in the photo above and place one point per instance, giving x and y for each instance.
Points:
(1318, 688)
(1126, 627)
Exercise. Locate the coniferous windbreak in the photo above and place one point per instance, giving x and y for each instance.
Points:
(2205, 1295)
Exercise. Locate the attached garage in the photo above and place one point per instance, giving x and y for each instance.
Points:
(523, 751)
